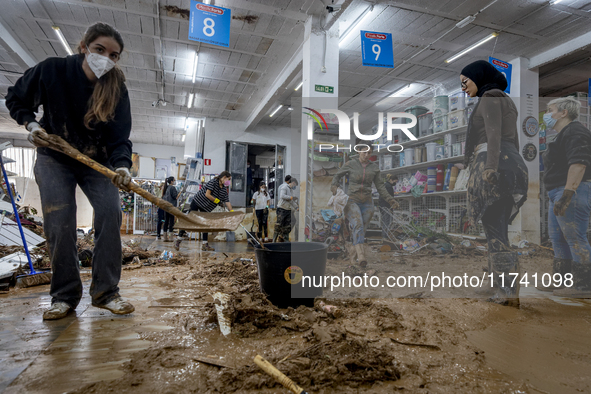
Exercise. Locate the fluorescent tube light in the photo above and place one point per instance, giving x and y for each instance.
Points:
(277, 109)
(355, 23)
(206, 1)
(299, 86)
(400, 92)
(466, 21)
(553, 2)
(190, 102)
(183, 138)
(195, 66)
(479, 43)
(63, 40)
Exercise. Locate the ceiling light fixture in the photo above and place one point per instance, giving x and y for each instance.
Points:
(206, 1)
(299, 86)
(277, 109)
(183, 138)
(290, 108)
(553, 2)
(479, 43)
(195, 66)
(355, 23)
(63, 40)
(400, 92)
(190, 102)
(466, 21)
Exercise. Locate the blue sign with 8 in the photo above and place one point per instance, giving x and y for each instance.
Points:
(210, 24)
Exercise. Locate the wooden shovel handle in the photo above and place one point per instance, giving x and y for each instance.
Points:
(59, 144)
(278, 375)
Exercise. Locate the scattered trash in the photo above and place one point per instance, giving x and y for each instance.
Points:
(224, 314)
(410, 244)
(465, 243)
(523, 244)
(248, 260)
(330, 310)
(166, 255)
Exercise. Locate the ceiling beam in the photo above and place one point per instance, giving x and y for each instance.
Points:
(559, 51)
(16, 51)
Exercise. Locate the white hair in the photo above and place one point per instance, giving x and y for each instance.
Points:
(571, 105)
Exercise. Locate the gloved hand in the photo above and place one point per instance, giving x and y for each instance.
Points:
(393, 204)
(333, 189)
(491, 176)
(561, 205)
(217, 201)
(38, 136)
(122, 178)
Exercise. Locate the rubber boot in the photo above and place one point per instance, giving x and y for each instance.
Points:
(487, 290)
(168, 236)
(361, 255)
(581, 283)
(559, 266)
(503, 264)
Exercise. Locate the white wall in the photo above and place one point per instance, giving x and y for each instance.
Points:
(160, 151)
(218, 131)
(83, 208)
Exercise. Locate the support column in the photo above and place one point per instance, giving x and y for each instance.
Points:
(320, 67)
(525, 93)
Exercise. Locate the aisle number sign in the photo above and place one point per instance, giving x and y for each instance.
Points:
(504, 68)
(210, 24)
(376, 49)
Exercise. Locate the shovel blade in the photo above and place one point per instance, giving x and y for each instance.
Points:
(211, 222)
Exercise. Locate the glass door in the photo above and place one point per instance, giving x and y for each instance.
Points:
(236, 157)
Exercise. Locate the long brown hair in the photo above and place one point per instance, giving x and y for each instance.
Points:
(107, 90)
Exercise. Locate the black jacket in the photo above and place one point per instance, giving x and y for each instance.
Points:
(571, 146)
(390, 189)
(62, 88)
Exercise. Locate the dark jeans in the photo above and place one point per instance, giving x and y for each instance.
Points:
(169, 222)
(262, 219)
(160, 221)
(283, 225)
(496, 225)
(57, 178)
(195, 207)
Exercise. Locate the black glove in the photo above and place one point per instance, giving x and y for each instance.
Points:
(561, 205)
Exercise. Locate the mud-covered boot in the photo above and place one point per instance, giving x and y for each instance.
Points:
(581, 282)
(361, 260)
(502, 265)
(487, 290)
(168, 236)
(559, 266)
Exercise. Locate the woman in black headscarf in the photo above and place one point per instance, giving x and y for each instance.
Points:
(498, 182)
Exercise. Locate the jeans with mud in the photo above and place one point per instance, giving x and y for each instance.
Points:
(568, 233)
(283, 225)
(359, 215)
(57, 178)
(495, 222)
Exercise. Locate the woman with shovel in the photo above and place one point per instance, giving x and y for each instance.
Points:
(85, 101)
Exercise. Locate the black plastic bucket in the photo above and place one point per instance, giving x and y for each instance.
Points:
(283, 269)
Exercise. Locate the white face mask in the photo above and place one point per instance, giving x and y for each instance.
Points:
(99, 64)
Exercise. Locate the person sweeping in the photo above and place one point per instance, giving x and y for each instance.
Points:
(85, 102)
(209, 197)
(360, 207)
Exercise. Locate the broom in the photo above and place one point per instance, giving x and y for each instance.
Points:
(34, 278)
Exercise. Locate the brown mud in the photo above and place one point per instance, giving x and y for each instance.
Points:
(375, 345)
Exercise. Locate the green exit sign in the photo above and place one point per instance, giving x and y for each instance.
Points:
(324, 89)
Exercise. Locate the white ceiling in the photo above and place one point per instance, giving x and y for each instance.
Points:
(232, 82)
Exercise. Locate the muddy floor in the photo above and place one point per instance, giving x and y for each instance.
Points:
(372, 343)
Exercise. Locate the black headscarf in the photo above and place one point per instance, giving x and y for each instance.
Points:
(485, 76)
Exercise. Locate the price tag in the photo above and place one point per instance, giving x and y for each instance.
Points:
(376, 49)
(210, 24)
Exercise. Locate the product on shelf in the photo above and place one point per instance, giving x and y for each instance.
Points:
(417, 111)
(456, 119)
(439, 178)
(425, 124)
(457, 101)
(439, 123)
(440, 105)
(431, 179)
(453, 177)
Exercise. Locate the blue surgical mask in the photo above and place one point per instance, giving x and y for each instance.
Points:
(549, 120)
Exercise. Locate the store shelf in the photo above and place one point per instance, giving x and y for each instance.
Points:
(431, 137)
(446, 193)
(423, 165)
